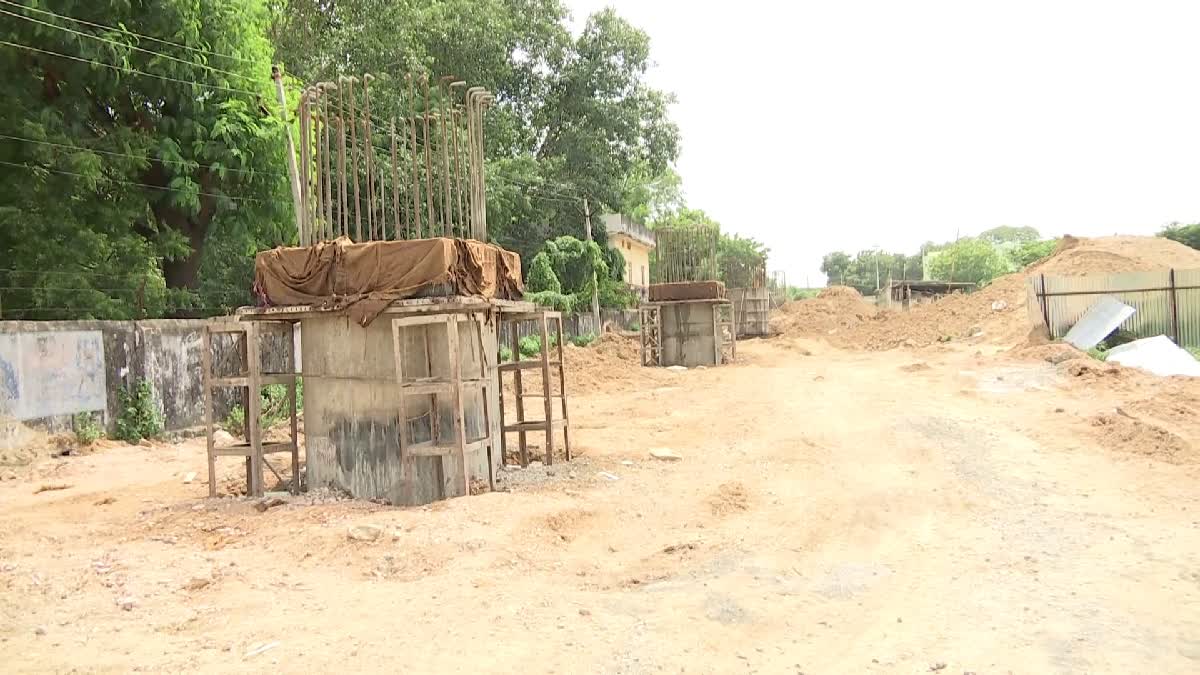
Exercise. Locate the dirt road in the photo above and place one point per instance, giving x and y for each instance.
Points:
(834, 512)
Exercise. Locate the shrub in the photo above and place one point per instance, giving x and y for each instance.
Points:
(87, 429)
(583, 340)
(505, 353)
(1098, 353)
(139, 417)
(530, 345)
(635, 327)
(541, 275)
(552, 299)
(275, 408)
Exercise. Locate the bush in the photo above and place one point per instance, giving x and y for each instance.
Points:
(139, 417)
(541, 276)
(635, 327)
(1030, 252)
(552, 299)
(275, 408)
(530, 345)
(87, 429)
(583, 340)
(505, 353)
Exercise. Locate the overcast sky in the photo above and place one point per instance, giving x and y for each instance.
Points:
(862, 123)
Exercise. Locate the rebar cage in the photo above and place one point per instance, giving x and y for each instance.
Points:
(685, 253)
(416, 172)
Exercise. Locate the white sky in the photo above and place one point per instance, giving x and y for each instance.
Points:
(848, 124)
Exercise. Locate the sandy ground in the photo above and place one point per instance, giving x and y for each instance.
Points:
(833, 512)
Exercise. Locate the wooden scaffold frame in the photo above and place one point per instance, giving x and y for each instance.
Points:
(548, 423)
(250, 381)
(456, 470)
(650, 321)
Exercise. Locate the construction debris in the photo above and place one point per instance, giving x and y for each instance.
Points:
(1157, 355)
(1098, 322)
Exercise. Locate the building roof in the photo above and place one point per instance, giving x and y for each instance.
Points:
(616, 223)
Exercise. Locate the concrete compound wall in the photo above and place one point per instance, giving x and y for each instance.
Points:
(52, 370)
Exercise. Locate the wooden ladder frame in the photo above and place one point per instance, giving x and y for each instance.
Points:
(548, 424)
(456, 471)
(650, 321)
(725, 332)
(250, 381)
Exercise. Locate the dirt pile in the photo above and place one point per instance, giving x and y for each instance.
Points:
(834, 312)
(997, 313)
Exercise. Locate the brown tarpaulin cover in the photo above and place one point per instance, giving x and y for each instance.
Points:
(365, 278)
(687, 290)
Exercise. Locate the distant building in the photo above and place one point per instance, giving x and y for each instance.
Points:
(635, 242)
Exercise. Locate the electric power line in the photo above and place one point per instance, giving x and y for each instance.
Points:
(133, 47)
(150, 187)
(198, 50)
(122, 154)
(132, 71)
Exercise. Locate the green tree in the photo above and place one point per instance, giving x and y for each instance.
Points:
(131, 152)
(972, 260)
(574, 116)
(542, 276)
(740, 259)
(1009, 233)
(1188, 235)
(834, 266)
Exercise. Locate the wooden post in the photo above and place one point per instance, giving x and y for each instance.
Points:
(562, 389)
(206, 375)
(293, 408)
(457, 459)
(293, 172)
(519, 395)
(254, 412)
(549, 402)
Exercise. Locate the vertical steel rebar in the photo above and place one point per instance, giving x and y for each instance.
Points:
(302, 223)
(456, 117)
(416, 178)
(428, 158)
(395, 187)
(370, 158)
(343, 191)
(327, 229)
(443, 114)
(353, 114)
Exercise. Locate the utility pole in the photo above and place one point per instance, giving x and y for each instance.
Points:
(293, 171)
(587, 221)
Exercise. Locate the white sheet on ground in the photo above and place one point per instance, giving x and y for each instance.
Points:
(1157, 355)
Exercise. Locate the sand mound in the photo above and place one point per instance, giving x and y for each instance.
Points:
(835, 312)
(996, 313)
(839, 293)
(610, 362)
(1109, 255)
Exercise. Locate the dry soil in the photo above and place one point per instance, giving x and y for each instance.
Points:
(953, 509)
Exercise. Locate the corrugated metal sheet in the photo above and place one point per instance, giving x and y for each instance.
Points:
(1068, 298)
(1188, 302)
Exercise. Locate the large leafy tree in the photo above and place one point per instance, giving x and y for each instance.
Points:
(139, 150)
(574, 117)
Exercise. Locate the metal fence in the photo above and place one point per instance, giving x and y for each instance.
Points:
(1167, 302)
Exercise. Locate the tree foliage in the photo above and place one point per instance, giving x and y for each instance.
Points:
(1010, 234)
(973, 260)
(542, 276)
(126, 176)
(573, 263)
(1188, 235)
(574, 116)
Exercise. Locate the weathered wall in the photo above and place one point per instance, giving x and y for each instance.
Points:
(52, 370)
(688, 337)
(351, 406)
